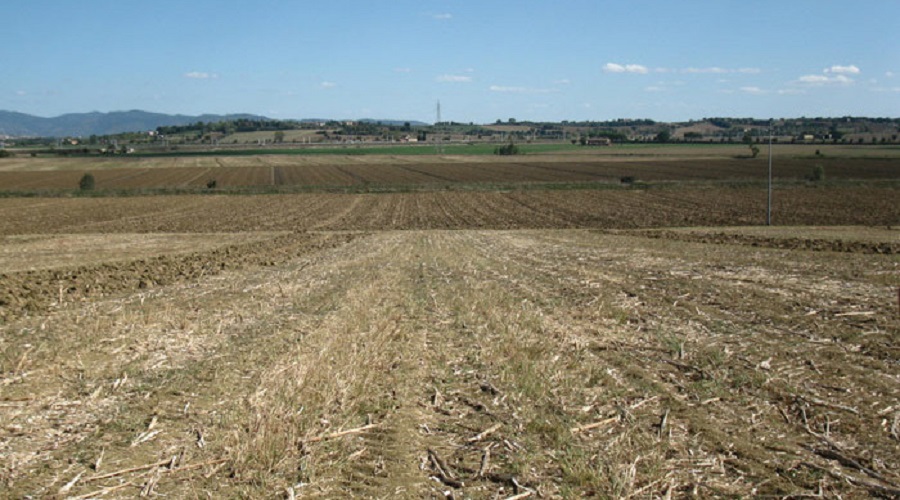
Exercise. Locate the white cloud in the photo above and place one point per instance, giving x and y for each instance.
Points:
(201, 75)
(889, 74)
(402, 70)
(442, 17)
(21, 93)
(628, 68)
(654, 88)
(817, 80)
(713, 70)
(327, 85)
(564, 81)
(520, 90)
(454, 79)
(752, 90)
(716, 70)
(843, 70)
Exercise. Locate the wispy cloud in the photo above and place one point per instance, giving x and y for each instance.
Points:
(402, 70)
(752, 90)
(713, 70)
(327, 85)
(843, 70)
(716, 70)
(709, 70)
(817, 80)
(562, 81)
(442, 17)
(201, 75)
(21, 93)
(520, 90)
(454, 79)
(626, 68)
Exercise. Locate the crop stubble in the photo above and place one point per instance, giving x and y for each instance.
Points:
(579, 363)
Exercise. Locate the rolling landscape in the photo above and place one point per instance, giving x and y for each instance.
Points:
(449, 250)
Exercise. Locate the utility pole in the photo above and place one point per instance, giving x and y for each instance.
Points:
(769, 197)
(437, 130)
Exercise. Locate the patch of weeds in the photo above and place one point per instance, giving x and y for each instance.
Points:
(551, 429)
(709, 358)
(746, 379)
(672, 344)
(707, 388)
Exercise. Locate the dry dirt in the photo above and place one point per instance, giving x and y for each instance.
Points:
(476, 364)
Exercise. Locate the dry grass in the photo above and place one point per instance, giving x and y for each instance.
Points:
(409, 364)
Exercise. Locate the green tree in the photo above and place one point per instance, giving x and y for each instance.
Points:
(818, 173)
(509, 149)
(663, 136)
(86, 183)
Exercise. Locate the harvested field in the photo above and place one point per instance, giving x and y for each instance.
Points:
(552, 363)
(496, 333)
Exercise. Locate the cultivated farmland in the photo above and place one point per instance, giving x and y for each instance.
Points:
(504, 328)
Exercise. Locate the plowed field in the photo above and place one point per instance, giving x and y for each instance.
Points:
(311, 173)
(450, 210)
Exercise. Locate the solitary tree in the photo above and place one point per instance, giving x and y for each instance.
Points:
(86, 183)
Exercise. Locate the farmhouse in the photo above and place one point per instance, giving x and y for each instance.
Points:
(599, 141)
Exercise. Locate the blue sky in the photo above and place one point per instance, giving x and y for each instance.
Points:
(484, 60)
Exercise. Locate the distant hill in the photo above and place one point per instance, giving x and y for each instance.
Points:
(394, 123)
(86, 124)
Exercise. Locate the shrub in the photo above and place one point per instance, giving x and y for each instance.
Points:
(818, 173)
(86, 183)
(5, 154)
(509, 149)
(628, 179)
(211, 184)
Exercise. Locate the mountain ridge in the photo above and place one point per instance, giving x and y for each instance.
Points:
(17, 124)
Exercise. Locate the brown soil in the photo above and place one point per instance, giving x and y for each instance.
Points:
(231, 172)
(35, 292)
(617, 209)
(815, 244)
